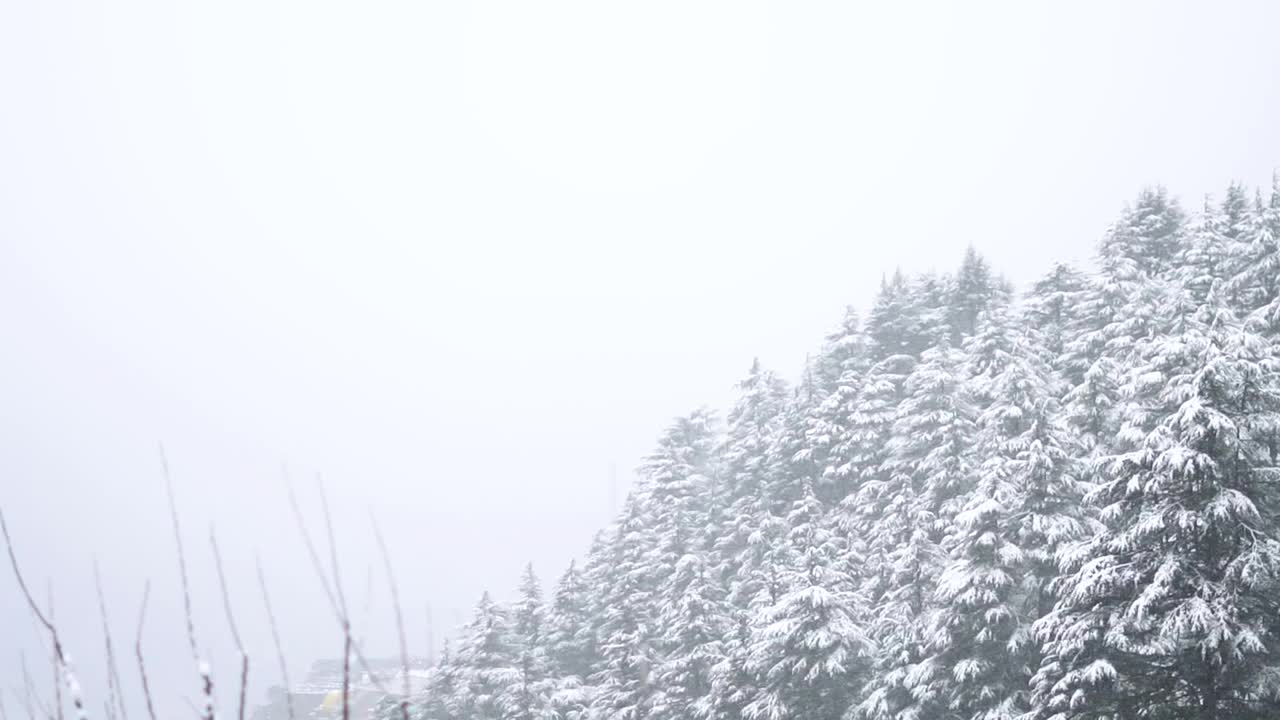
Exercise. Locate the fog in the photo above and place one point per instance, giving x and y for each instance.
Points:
(466, 259)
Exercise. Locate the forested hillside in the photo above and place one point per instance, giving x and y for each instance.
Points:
(1061, 502)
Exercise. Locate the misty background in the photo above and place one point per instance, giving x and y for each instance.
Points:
(466, 259)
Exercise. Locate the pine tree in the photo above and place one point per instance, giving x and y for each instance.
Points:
(843, 352)
(831, 435)
(747, 531)
(1052, 309)
(532, 694)
(488, 671)
(1256, 260)
(1234, 211)
(807, 650)
(693, 627)
(889, 324)
(441, 694)
(974, 291)
(934, 432)
(1169, 611)
(571, 645)
(1099, 345)
(733, 685)
(627, 589)
(929, 307)
(1150, 233)
(928, 471)
(790, 460)
(676, 499)
(571, 699)
(1206, 258)
(1021, 510)
(867, 454)
(676, 489)
(752, 424)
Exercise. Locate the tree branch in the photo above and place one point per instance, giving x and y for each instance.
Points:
(137, 649)
(231, 621)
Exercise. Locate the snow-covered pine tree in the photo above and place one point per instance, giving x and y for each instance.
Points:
(866, 451)
(676, 490)
(1125, 302)
(441, 694)
(757, 578)
(790, 459)
(488, 672)
(741, 552)
(844, 351)
(1026, 446)
(889, 324)
(733, 685)
(864, 446)
(752, 551)
(929, 306)
(973, 291)
(928, 470)
(532, 693)
(1256, 259)
(676, 496)
(1207, 253)
(575, 623)
(831, 433)
(1235, 209)
(934, 433)
(807, 652)
(694, 626)
(1170, 610)
(571, 645)
(1099, 345)
(752, 425)
(626, 591)
(1150, 232)
(1023, 506)
(1051, 307)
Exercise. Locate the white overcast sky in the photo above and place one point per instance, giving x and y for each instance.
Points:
(464, 256)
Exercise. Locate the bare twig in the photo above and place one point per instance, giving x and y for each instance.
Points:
(115, 694)
(311, 552)
(346, 674)
(190, 706)
(333, 546)
(22, 585)
(63, 664)
(25, 699)
(231, 621)
(342, 603)
(368, 603)
(339, 610)
(182, 560)
(29, 690)
(46, 709)
(137, 649)
(395, 601)
(56, 660)
(337, 606)
(206, 677)
(275, 637)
